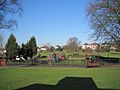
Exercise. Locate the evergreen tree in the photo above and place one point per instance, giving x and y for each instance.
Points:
(59, 48)
(12, 47)
(22, 51)
(31, 45)
(29, 52)
(52, 49)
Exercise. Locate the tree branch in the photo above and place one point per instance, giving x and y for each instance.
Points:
(2, 3)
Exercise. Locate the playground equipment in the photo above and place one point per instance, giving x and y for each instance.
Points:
(20, 59)
(34, 61)
(56, 58)
(97, 61)
(2, 62)
(92, 61)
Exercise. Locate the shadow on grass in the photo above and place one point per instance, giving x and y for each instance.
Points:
(68, 83)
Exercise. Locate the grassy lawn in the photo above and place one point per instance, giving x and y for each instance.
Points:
(17, 77)
(110, 54)
(82, 55)
(71, 62)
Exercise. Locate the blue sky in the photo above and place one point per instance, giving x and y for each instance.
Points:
(52, 21)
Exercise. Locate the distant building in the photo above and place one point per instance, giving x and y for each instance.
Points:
(109, 45)
(113, 47)
(44, 48)
(92, 46)
(86, 45)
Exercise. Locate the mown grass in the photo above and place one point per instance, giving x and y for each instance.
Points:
(71, 62)
(110, 54)
(83, 54)
(17, 77)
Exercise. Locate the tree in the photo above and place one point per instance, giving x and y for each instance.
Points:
(12, 47)
(22, 50)
(8, 10)
(1, 40)
(25, 51)
(98, 48)
(106, 46)
(32, 45)
(73, 44)
(59, 48)
(104, 20)
(52, 48)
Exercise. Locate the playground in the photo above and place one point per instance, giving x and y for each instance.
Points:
(58, 58)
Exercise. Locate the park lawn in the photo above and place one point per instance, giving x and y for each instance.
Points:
(47, 53)
(17, 77)
(73, 61)
(110, 54)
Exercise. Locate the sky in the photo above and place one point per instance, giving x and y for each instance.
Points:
(52, 21)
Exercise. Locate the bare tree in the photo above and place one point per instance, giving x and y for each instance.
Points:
(104, 20)
(73, 44)
(8, 10)
(1, 40)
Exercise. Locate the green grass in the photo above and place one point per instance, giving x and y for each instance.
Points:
(83, 54)
(47, 53)
(110, 54)
(17, 77)
(71, 62)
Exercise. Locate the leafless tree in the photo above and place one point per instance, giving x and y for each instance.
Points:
(104, 20)
(73, 44)
(1, 40)
(8, 10)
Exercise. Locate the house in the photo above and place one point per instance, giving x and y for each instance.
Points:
(113, 47)
(86, 45)
(92, 46)
(109, 45)
(44, 48)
